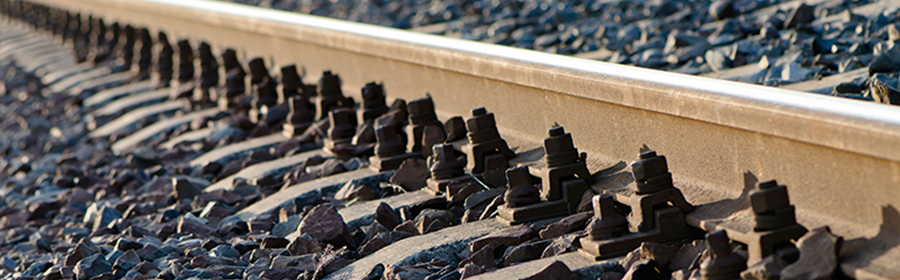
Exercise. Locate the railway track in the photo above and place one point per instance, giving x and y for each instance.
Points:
(180, 139)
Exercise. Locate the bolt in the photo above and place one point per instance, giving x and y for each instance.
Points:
(290, 80)
(482, 126)
(343, 125)
(480, 111)
(209, 68)
(373, 102)
(330, 85)
(521, 189)
(651, 173)
(607, 221)
(772, 206)
(421, 111)
(258, 70)
(330, 91)
(388, 142)
(557, 131)
(164, 62)
(229, 60)
(185, 61)
(722, 263)
(559, 148)
(445, 164)
(301, 110)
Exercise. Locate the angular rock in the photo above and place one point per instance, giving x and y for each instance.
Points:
(372, 245)
(717, 60)
(353, 191)
(689, 254)
(91, 266)
(769, 268)
(224, 251)
(819, 250)
(386, 216)
(184, 189)
(562, 245)
(884, 89)
(303, 245)
(566, 225)
(470, 270)
(507, 237)
(661, 254)
(483, 258)
(85, 248)
(128, 260)
(800, 16)
(722, 9)
(644, 270)
(324, 224)
(188, 225)
(525, 252)
(555, 271)
(408, 227)
(411, 175)
(394, 272)
(101, 216)
(287, 227)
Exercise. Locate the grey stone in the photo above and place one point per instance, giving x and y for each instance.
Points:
(722, 9)
(507, 237)
(819, 250)
(411, 175)
(127, 260)
(324, 224)
(184, 189)
(884, 89)
(800, 16)
(91, 266)
(224, 251)
(285, 228)
(566, 225)
(554, 271)
(386, 216)
(717, 60)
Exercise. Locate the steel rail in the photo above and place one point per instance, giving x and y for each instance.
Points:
(840, 158)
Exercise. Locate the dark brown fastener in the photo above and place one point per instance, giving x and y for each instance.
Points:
(234, 81)
(445, 170)
(264, 94)
(209, 76)
(563, 161)
(185, 61)
(526, 211)
(341, 129)
(300, 117)
(652, 172)
(330, 94)
(164, 62)
(521, 190)
(484, 141)
(607, 222)
(425, 129)
(722, 263)
(145, 61)
(291, 82)
(390, 151)
(373, 102)
(776, 223)
(126, 53)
